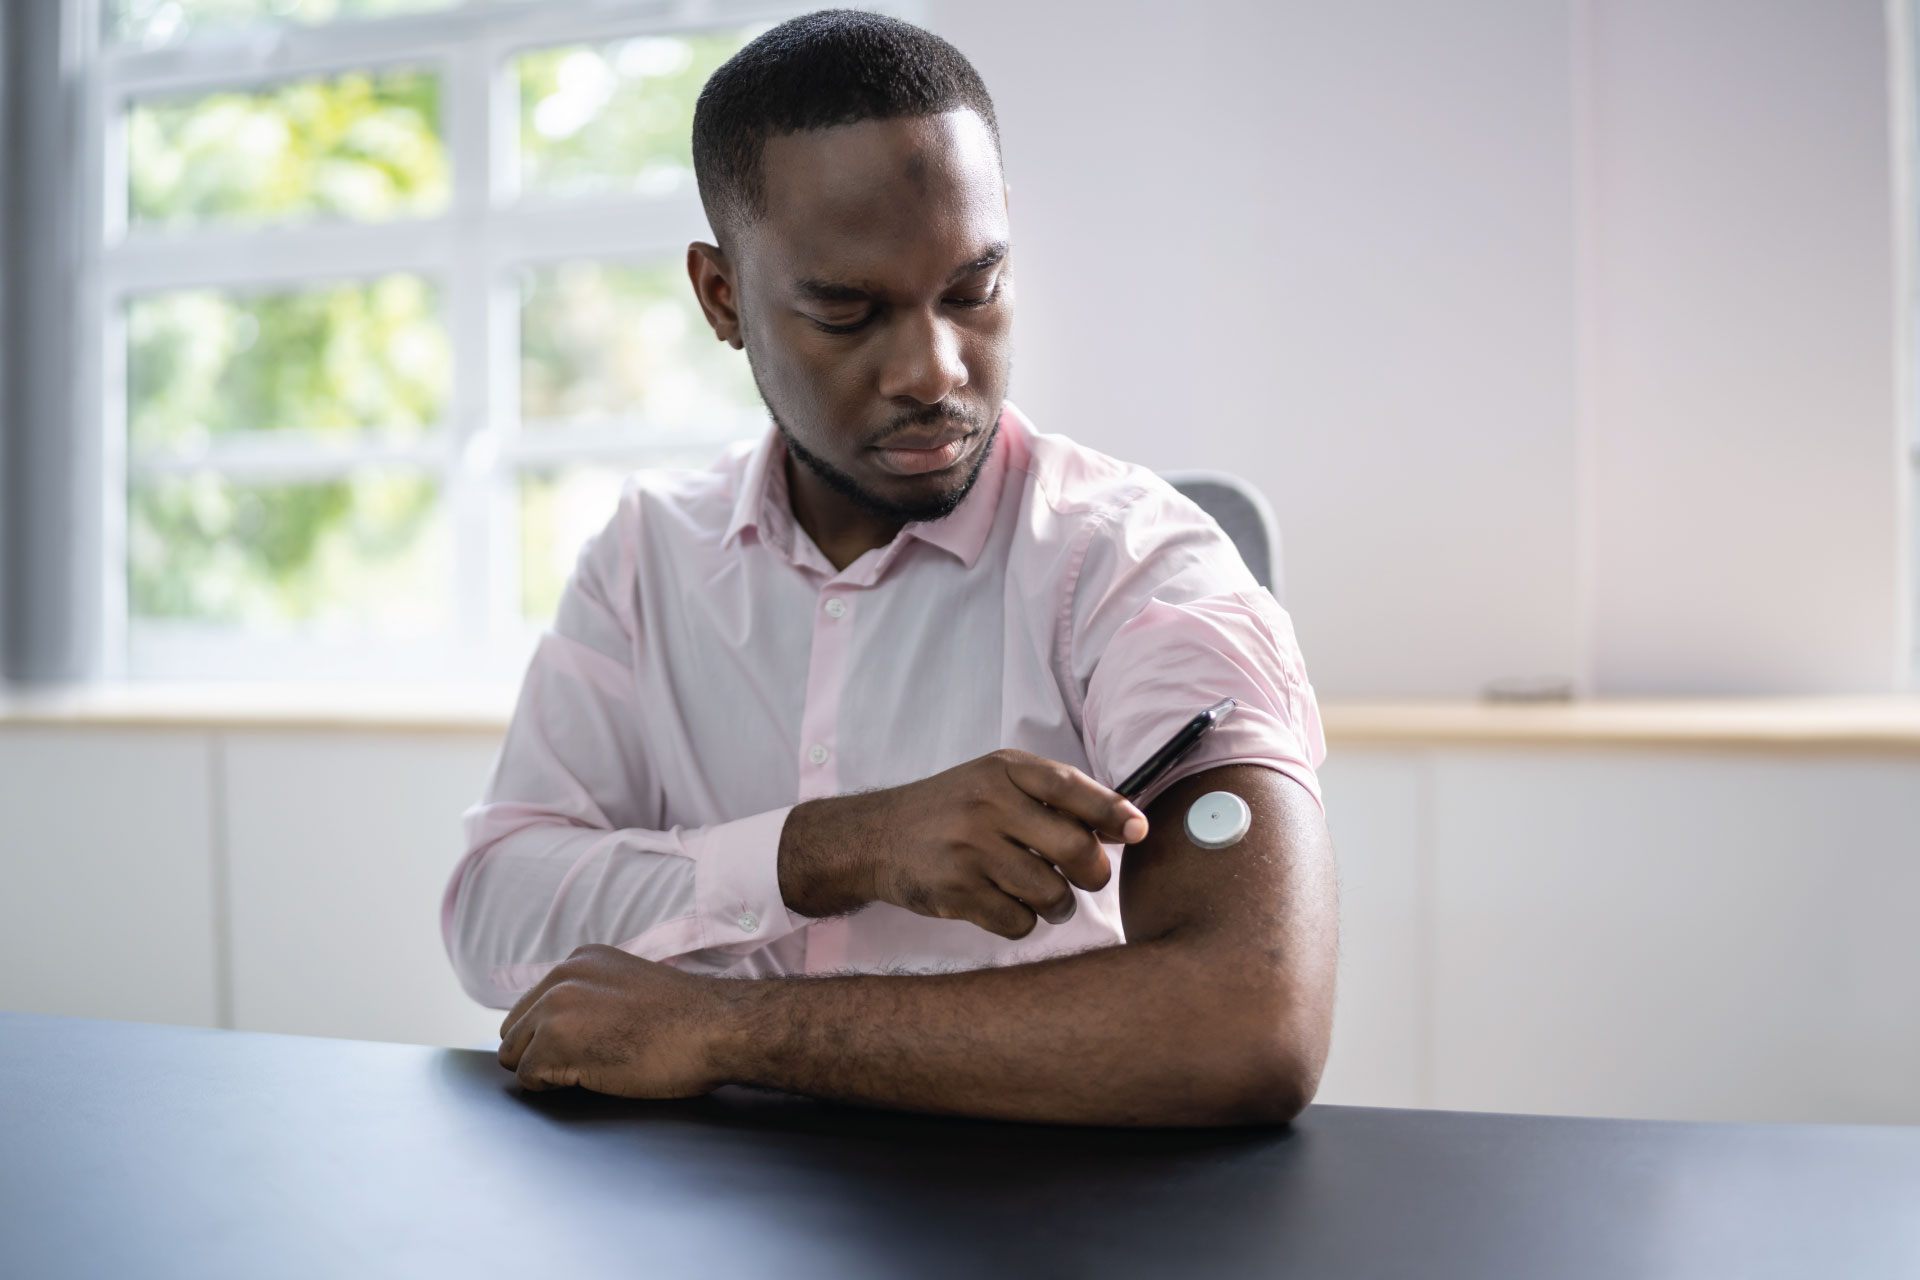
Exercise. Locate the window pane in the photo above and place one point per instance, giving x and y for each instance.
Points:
(600, 338)
(559, 511)
(364, 147)
(356, 357)
(615, 116)
(163, 21)
(368, 551)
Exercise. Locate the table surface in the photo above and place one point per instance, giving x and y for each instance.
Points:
(128, 1149)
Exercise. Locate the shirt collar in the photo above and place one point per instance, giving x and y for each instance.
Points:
(762, 504)
(768, 454)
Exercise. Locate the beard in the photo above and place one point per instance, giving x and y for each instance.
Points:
(937, 507)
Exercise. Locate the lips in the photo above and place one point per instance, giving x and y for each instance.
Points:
(934, 439)
(911, 453)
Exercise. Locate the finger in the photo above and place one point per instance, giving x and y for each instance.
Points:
(1063, 787)
(527, 1001)
(514, 1039)
(1060, 840)
(997, 913)
(542, 1068)
(1034, 882)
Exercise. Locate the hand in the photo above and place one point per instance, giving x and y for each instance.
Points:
(997, 841)
(614, 1023)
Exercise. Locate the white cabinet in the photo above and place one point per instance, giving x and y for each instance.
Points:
(108, 887)
(1715, 936)
(339, 845)
(1376, 802)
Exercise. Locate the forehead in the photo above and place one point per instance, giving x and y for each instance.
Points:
(881, 199)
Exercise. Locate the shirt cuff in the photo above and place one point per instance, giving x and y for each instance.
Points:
(736, 882)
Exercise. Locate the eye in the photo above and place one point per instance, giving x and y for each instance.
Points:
(826, 326)
(977, 300)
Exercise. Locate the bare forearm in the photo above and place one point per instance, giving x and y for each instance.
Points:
(1160, 1033)
(1217, 1012)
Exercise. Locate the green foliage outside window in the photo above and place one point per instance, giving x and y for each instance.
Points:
(344, 362)
(364, 146)
(344, 358)
(615, 116)
(354, 359)
(363, 550)
(605, 338)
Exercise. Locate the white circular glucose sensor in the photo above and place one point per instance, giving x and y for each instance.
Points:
(1218, 819)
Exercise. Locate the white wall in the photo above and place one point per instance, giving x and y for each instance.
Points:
(1561, 334)
(1748, 450)
(1684, 934)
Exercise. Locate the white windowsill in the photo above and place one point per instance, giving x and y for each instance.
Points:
(1875, 723)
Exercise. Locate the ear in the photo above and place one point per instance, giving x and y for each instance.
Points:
(712, 275)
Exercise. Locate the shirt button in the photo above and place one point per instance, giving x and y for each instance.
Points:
(749, 922)
(836, 607)
(817, 753)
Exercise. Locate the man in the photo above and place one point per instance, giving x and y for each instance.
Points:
(852, 703)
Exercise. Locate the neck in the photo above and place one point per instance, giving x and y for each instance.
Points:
(843, 530)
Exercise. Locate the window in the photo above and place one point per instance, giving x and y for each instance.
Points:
(390, 295)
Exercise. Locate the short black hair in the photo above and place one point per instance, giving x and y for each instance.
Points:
(832, 67)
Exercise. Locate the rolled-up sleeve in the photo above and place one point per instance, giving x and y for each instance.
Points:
(566, 846)
(1166, 621)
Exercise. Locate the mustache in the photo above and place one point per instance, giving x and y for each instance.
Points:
(933, 415)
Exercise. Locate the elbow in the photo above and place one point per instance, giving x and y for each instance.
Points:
(463, 936)
(1279, 1084)
(1278, 1050)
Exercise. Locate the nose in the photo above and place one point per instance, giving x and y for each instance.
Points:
(923, 360)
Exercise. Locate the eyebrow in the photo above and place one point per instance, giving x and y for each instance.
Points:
(828, 291)
(995, 253)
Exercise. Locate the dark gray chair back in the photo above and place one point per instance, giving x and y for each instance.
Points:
(1243, 514)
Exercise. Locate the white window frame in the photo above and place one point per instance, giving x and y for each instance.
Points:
(1903, 30)
(473, 252)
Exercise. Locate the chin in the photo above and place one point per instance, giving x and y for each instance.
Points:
(923, 497)
(863, 482)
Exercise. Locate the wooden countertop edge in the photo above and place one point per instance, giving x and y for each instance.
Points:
(1882, 723)
(1887, 723)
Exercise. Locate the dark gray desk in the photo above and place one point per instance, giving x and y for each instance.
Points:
(130, 1150)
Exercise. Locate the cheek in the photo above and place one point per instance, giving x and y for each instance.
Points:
(798, 371)
(989, 353)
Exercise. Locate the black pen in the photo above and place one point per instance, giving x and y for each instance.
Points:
(1176, 749)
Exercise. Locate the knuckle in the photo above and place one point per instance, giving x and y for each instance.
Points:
(1019, 924)
(977, 799)
(1039, 884)
(955, 882)
(999, 914)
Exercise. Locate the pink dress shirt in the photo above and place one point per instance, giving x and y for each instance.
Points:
(709, 669)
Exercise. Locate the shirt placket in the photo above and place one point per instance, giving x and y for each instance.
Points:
(820, 746)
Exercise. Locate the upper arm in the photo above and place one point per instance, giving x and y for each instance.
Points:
(574, 752)
(1166, 621)
(1262, 911)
